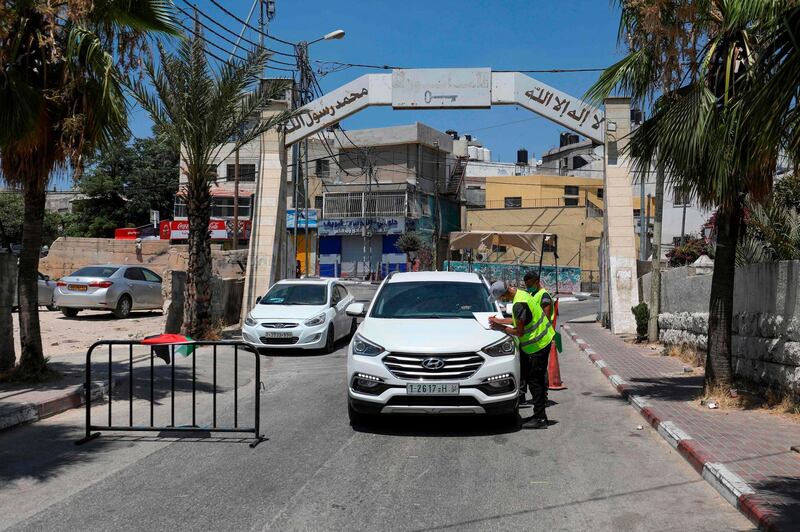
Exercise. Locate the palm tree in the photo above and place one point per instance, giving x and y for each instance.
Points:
(662, 39)
(203, 110)
(61, 89)
(700, 135)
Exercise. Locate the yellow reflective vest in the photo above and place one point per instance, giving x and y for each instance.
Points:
(539, 333)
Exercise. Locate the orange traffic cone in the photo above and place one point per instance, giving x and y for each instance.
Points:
(553, 369)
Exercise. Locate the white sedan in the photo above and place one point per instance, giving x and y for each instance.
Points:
(301, 314)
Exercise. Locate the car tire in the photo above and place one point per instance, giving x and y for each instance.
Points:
(330, 341)
(70, 312)
(357, 418)
(51, 308)
(123, 308)
(353, 328)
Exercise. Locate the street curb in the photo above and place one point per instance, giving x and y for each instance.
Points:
(14, 415)
(732, 488)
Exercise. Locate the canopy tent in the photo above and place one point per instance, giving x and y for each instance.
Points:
(532, 242)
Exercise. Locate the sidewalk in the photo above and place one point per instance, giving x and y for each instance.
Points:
(24, 403)
(745, 455)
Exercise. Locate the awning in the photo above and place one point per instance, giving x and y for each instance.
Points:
(532, 242)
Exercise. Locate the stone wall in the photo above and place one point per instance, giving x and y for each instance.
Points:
(766, 320)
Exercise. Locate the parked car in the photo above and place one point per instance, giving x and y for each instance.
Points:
(46, 293)
(301, 313)
(420, 350)
(116, 287)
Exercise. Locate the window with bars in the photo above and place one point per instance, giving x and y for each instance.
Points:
(222, 207)
(323, 168)
(247, 172)
(513, 202)
(680, 198)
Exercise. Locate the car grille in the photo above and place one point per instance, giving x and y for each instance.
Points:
(411, 400)
(279, 325)
(456, 366)
(278, 341)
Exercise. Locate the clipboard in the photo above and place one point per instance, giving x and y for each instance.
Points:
(483, 318)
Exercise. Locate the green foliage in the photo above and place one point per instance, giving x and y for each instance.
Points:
(771, 231)
(123, 183)
(642, 314)
(691, 250)
(409, 242)
(12, 215)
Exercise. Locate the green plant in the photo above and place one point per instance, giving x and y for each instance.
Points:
(688, 252)
(642, 314)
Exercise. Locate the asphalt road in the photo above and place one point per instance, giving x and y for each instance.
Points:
(592, 470)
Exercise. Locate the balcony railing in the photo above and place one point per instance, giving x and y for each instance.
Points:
(535, 203)
(352, 204)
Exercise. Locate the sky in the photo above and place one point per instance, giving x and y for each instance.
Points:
(500, 34)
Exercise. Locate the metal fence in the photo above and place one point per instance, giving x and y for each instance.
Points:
(351, 204)
(167, 352)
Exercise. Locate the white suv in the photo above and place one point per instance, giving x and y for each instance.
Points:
(420, 350)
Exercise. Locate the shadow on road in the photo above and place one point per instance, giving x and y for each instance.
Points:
(439, 426)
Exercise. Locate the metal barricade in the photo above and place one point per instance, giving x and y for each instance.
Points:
(151, 427)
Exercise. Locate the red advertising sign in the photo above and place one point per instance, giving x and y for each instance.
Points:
(220, 229)
(126, 234)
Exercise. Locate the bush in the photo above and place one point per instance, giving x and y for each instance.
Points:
(642, 315)
(690, 251)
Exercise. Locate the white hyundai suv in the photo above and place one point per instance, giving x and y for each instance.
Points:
(420, 350)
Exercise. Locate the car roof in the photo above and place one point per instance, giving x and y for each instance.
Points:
(453, 277)
(113, 266)
(307, 280)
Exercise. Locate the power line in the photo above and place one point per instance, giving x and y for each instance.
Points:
(257, 30)
(226, 39)
(524, 71)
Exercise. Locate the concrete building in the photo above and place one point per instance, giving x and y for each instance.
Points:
(390, 180)
(575, 157)
(571, 207)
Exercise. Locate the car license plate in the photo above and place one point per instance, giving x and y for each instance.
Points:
(272, 334)
(77, 287)
(419, 388)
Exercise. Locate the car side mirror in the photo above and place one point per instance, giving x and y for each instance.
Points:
(357, 310)
(46, 277)
(508, 310)
(258, 300)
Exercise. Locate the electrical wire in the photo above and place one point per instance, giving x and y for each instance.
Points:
(524, 71)
(228, 40)
(257, 30)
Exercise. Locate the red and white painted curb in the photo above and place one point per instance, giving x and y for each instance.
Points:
(732, 487)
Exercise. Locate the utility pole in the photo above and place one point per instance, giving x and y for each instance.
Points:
(655, 283)
(236, 196)
(642, 219)
(305, 84)
(437, 221)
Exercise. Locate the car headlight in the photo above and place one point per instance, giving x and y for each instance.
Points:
(362, 346)
(319, 319)
(249, 320)
(502, 348)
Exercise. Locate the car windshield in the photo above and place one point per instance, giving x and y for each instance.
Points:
(295, 294)
(95, 271)
(430, 300)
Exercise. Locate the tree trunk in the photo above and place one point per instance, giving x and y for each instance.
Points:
(8, 272)
(655, 278)
(719, 372)
(32, 363)
(197, 303)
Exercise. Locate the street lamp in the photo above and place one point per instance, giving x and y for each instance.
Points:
(305, 82)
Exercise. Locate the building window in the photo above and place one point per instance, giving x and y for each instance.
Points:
(514, 202)
(600, 193)
(498, 249)
(247, 172)
(570, 190)
(318, 203)
(570, 202)
(323, 168)
(680, 198)
(222, 207)
(180, 208)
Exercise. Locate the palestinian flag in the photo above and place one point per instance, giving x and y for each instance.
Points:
(184, 345)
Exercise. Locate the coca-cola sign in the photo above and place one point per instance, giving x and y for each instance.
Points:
(219, 229)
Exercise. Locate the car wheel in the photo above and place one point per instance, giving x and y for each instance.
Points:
(123, 309)
(353, 328)
(357, 418)
(70, 312)
(330, 342)
(51, 308)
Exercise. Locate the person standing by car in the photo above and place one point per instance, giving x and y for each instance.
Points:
(535, 333)
(533, 285)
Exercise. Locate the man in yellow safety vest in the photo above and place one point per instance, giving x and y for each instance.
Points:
(535, 333)
(533, 285)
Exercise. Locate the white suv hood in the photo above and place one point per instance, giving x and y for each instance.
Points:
(286, 312)
(428, 336)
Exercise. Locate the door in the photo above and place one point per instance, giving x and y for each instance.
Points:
(45, 291)
(342, 319)
(155, 299)
(136, 287)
